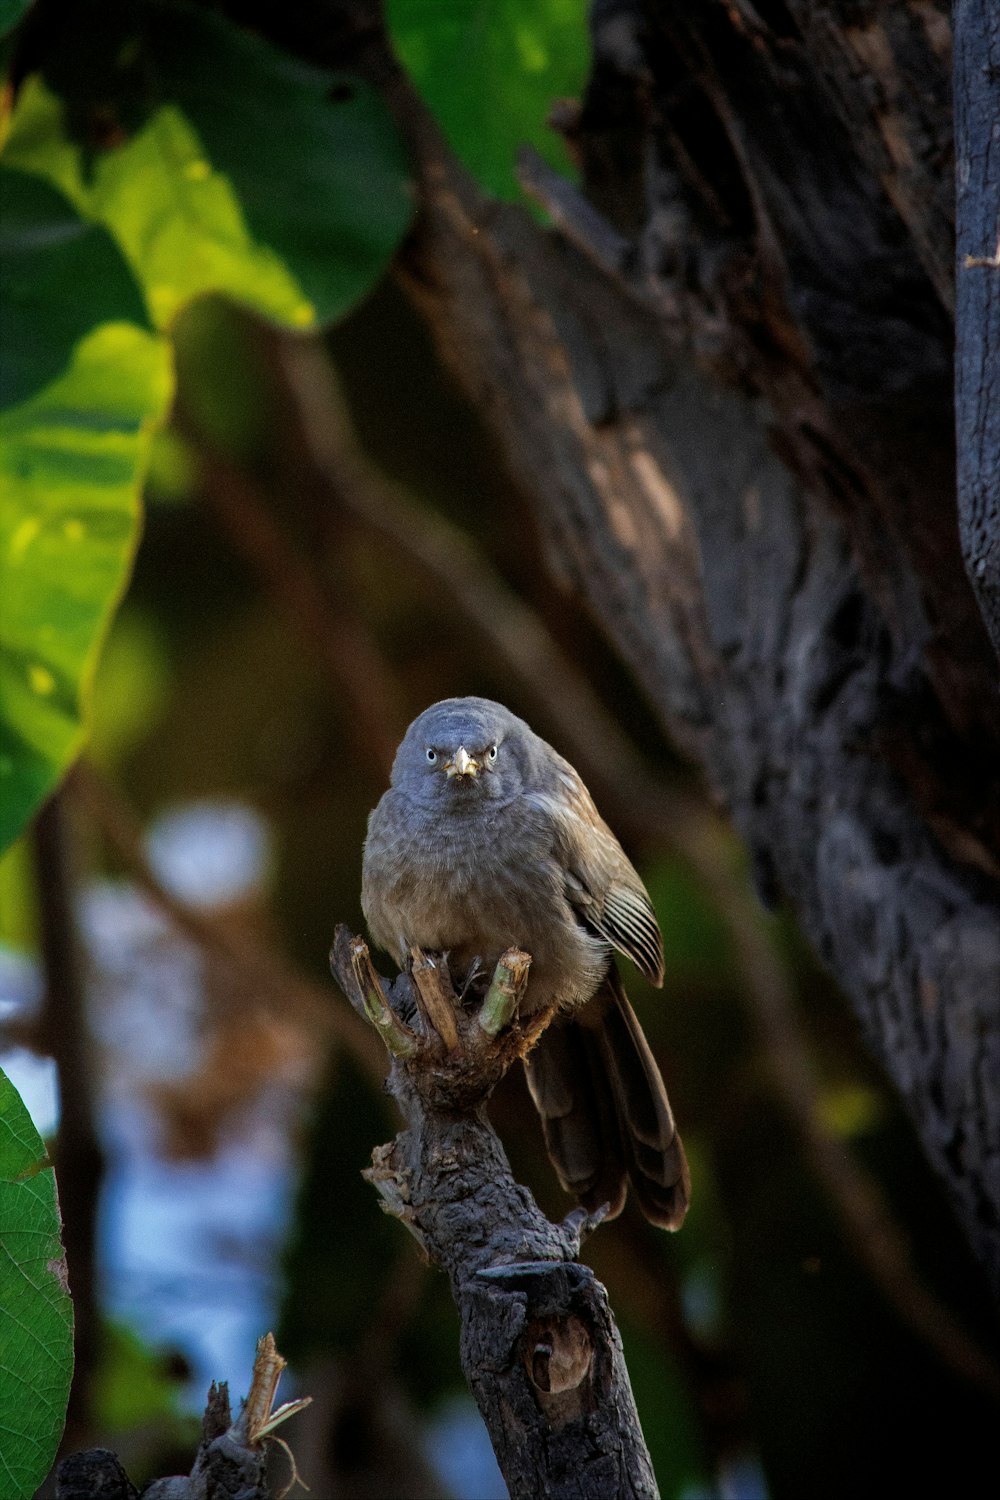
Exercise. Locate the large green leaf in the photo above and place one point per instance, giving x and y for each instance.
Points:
(11, 13)
(36, 1315)
(231, 169)
(72, 454)
(490, 71)
(250, 173)
(47, 253)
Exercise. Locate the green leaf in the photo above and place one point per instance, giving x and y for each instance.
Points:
(490, 71)
(72, 456)
(252, 174)
(234, 170)
(36, 1315)
(48, 253)
(11, 13)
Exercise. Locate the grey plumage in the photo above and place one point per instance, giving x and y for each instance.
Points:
(486, 839)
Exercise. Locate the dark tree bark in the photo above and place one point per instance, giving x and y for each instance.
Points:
(539, 1344)
(977, 273)
(724, 383)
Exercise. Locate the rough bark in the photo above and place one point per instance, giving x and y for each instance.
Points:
(724, 383)
(977, 273)
(539, 1344)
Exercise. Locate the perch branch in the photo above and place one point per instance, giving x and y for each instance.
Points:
(539, 1345)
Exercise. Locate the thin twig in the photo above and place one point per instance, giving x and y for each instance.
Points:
(577, 218)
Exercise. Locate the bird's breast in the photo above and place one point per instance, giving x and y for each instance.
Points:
(473, 885)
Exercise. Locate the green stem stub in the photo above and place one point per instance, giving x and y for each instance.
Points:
(397, 1038)
(506, 988)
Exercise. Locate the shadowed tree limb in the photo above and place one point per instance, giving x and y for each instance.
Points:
(78, 1157)
(539, 1344)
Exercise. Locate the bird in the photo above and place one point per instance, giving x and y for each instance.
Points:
(487, 839)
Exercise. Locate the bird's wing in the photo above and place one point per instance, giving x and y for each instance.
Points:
(601, 883)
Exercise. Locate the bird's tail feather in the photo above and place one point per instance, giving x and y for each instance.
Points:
(605, 1112)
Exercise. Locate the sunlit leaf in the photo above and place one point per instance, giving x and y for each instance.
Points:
(36, 1317)
(251, 174)
(71, 460)
(244, 173)
(490, 70)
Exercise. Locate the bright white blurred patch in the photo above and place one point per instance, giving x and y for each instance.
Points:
(210, 853)
(35, 1079)
(189, 1250)
(146, 1003)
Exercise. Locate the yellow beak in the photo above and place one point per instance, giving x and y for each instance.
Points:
(463, 764)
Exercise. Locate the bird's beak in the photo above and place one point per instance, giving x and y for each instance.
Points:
(463, 764)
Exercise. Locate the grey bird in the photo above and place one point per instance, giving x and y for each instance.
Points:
(488, 839)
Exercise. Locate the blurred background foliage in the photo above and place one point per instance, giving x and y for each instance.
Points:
(301, 590)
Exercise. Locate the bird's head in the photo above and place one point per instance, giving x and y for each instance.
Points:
(463, 751)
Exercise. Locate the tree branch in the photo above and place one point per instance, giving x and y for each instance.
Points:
(539, 1344)
(79, 1158)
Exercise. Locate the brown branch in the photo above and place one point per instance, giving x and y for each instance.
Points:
(79, 1159)
(539, 1344)
(231, 1457)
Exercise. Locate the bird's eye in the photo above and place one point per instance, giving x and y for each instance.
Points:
(432, 755)
(491, 754)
